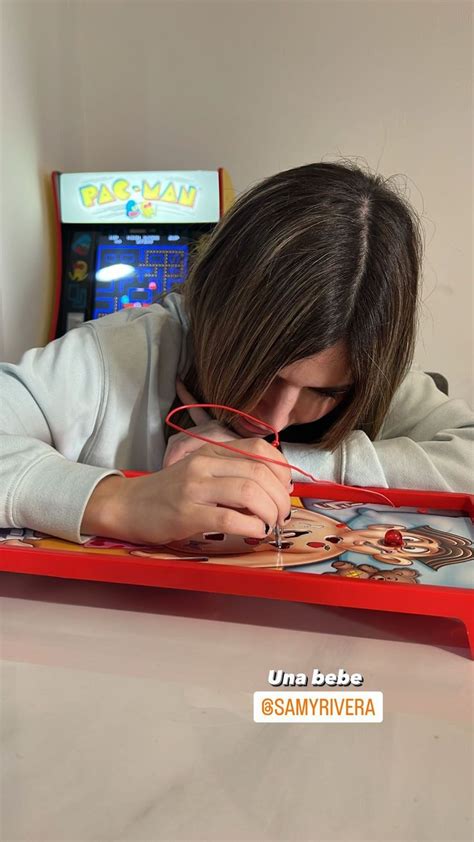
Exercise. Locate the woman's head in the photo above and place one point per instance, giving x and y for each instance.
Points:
(309, 282)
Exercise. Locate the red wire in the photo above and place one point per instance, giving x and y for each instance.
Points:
(229, 409)
(247, 455)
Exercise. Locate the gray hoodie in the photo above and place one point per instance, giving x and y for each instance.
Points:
(94, 402)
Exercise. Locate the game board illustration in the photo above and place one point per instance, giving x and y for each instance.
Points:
(338, 539)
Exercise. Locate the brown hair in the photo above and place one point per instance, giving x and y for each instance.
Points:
(452, 548)
(306, 258)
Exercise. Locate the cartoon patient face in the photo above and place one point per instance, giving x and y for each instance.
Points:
(370, 541)
(309, 538)
(308, 533)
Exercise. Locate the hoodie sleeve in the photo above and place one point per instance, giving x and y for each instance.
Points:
(50, 406)
(427, 442)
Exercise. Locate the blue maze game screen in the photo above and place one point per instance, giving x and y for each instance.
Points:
(133, 270)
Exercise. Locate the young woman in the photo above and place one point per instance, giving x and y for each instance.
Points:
(301, 310)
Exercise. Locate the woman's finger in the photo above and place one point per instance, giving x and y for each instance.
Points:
(228, 521)
(259, 448)
(181, 444)
(241, 494)
(257, 474)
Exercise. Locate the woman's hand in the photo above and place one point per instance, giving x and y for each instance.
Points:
(180, 444)
(210, 490)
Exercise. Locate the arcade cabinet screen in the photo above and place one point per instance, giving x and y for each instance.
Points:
(133, 270)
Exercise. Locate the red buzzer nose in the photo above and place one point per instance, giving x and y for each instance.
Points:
(393, 538)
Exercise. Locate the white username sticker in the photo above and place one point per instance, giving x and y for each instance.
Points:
(343, 706)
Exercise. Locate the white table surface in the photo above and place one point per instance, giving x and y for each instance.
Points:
(126, 714)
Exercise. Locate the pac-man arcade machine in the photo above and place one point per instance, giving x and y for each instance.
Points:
(123, 239)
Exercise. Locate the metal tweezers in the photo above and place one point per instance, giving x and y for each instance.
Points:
(277, 531)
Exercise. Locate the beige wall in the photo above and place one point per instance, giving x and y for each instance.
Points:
(38, 134)
(254, 86)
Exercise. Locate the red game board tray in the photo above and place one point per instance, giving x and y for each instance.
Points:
(423, 599)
